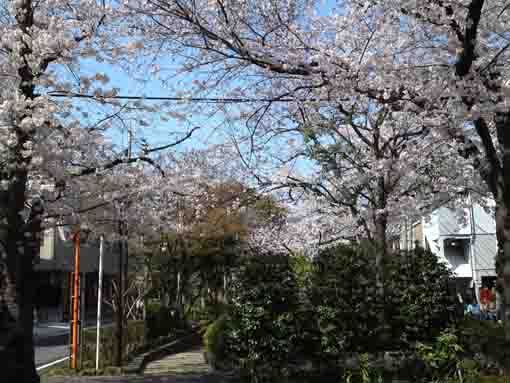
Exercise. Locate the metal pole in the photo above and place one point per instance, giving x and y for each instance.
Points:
(76, 297)
(120, 297)
(472, 248)
(83, 312)
(99, 299)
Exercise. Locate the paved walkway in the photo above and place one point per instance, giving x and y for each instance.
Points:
(185, 363)
(139, 379)
(185, 367)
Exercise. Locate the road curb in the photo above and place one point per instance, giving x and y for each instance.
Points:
(51, 364)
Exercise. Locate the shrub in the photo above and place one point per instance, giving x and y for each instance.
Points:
(208, 314)
(261, 330)
(415, 306)
(419, 303)
(486, 341)
(162, 321)
(133, 339)
(443, 356)
(214, 341)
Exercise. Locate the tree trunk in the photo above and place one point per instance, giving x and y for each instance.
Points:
(381, 225)
(205, 291)
(17, 289)
(503, 255)
(178, 294)
(18, 286)
(501, 189)
(225, 285)
(381, 253)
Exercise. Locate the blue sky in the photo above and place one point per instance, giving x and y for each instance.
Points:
(145, 84)
(157, 133)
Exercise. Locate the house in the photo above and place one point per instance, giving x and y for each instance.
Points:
(463, 238)
(55, 273)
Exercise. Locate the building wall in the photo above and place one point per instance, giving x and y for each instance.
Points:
(413, 235)
(446, 224)
(55, 270)
(58, 254)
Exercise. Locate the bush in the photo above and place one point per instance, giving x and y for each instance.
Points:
(261, 330)
(486, 342)
(162, 321)
(415, 306)
(214, 341)
(289, 313)
(134, 338)
(420, 303)
(208, 314)
(442, 357)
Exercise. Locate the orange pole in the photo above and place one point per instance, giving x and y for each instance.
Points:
(76, 302)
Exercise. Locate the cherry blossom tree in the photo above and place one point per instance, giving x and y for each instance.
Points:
(51, 150)
(442, 62)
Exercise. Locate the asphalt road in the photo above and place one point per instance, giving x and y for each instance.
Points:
(51, 341)
(49, 349)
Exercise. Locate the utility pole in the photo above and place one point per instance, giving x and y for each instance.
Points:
(472, 248)
(121, 284)
(99, 299)
(120, 297)
(76, 299)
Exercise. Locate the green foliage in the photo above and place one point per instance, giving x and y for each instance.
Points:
(261, 330)
(286, 311)
(487, 341)
(134, 338)
(350, 314)
(162, 321)
(210, 313)
(87, 371)
(470, 370)
(302, 267)
(443, 356)
(418, 299)
(494, 379)
(214, 340)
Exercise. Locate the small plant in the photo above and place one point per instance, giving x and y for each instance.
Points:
(364, 368)
(347, 376)
(442, 357)
(470, 371)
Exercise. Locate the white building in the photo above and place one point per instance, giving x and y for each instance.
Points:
(468, 246)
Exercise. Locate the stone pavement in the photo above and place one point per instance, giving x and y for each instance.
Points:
(185, 367)
(190, 362)
(139, 379)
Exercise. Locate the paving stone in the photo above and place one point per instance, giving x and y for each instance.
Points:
(184, 367)
(185, 363)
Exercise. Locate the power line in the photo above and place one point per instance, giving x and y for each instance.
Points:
(210, 100)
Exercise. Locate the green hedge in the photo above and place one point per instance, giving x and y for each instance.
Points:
(281, 319)
(351, 315)
(486, 342)
(214, 341)
(261, 329)
(162, 321)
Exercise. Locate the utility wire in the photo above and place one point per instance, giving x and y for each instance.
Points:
(210, 100)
